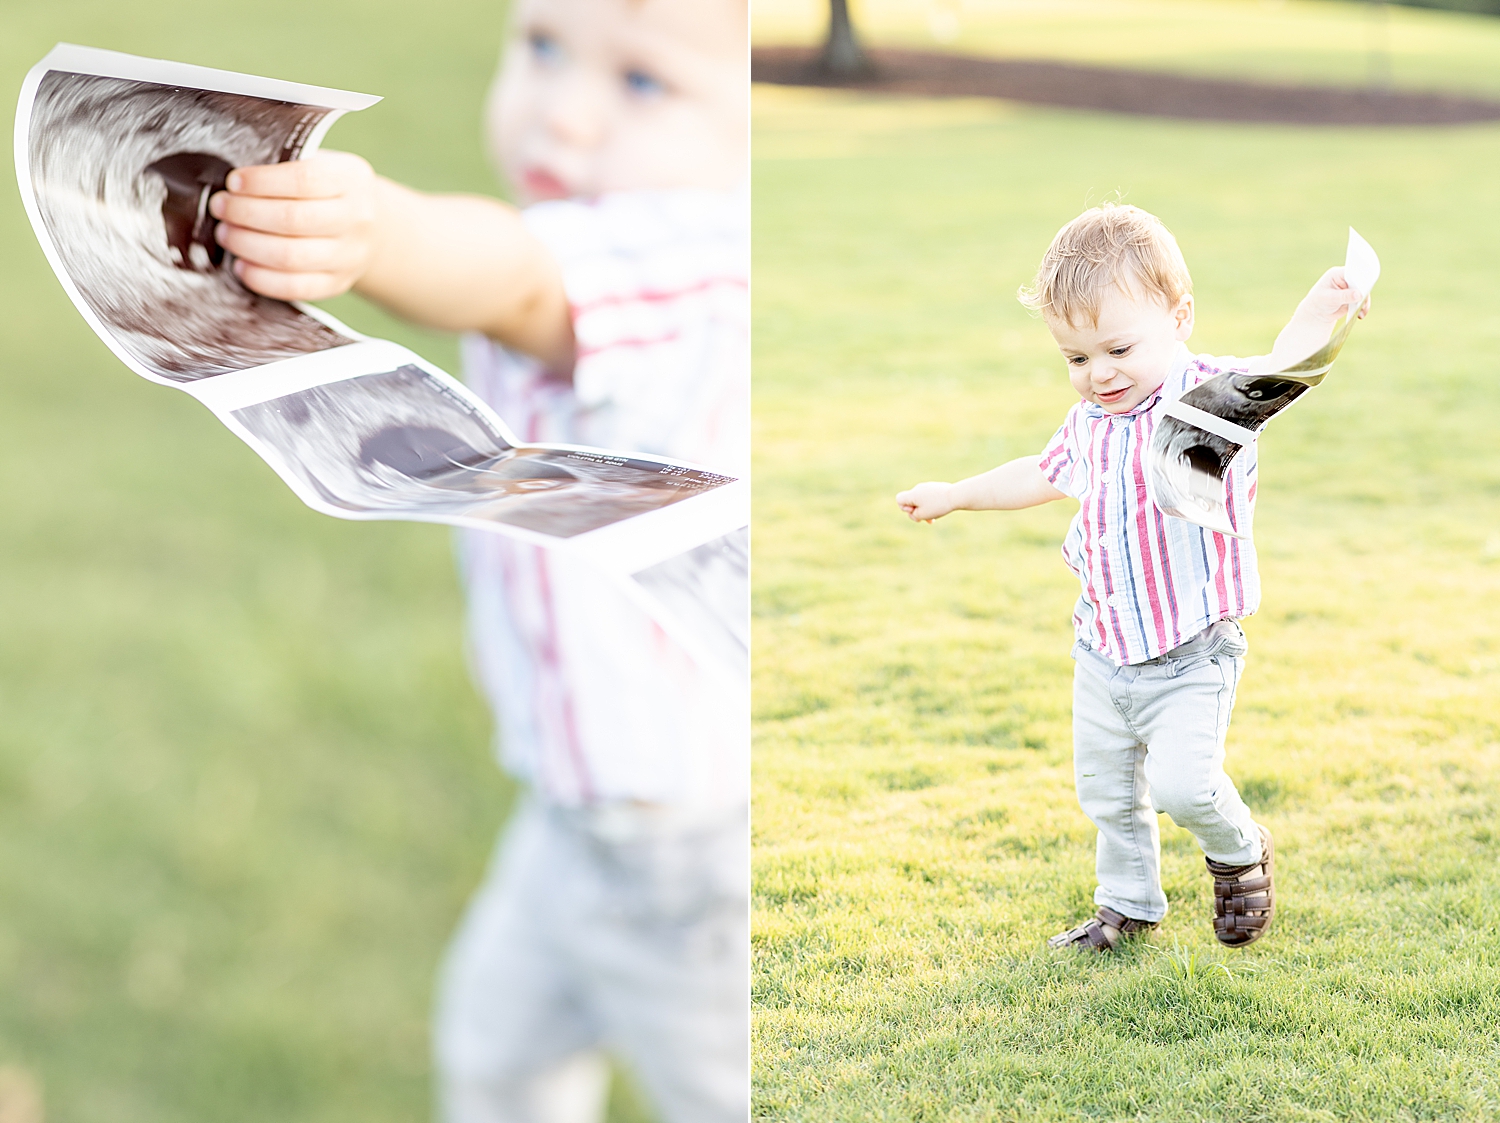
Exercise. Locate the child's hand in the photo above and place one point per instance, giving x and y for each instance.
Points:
(301, 230)
(1329, 299)
(926, 502)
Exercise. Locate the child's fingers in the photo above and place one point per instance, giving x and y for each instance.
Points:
(325, 176)
(289, 286)
(297, 217)
(287, 255)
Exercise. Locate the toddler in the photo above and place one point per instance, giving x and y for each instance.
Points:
(1158, 646)
(611, 311)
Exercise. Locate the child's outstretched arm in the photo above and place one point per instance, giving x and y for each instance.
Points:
(1312, 324)
(1010, 487)
(315, 228)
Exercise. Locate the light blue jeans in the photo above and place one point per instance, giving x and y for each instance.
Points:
(1149, 738)
(622, 929)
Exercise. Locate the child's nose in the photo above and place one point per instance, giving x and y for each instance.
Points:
(576, 115)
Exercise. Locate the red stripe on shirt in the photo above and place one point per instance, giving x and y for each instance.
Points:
(659, 296)
(1142, 501)
(1222, 550)
(585, 352)
(551, 655)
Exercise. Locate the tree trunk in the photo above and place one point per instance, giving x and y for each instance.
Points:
(842, 56)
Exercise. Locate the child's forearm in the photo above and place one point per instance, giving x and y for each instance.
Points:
(1012, 486)
(467, 263)
(1303, 335)
(1006, 488)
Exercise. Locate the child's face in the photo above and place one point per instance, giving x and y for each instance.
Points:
(618, 95)
(1121, 359)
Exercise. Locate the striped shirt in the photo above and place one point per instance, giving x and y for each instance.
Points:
(1149, 581)
(594, 702)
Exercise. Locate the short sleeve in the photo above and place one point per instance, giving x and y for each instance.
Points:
(658, 282)
(1061, 464)
(1204, 367)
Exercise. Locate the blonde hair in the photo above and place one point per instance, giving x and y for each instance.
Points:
(1110, 245)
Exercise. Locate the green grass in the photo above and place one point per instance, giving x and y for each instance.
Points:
(916, 832)
(1327, 42)
(245, 785)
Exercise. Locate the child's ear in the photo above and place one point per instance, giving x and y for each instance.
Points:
(1183, 316)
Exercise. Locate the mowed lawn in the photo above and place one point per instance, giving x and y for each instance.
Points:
(916, 833)
(245, 784)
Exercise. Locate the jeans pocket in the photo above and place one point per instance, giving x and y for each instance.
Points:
(1233, 640)
(1227, 650)
(1228, 640)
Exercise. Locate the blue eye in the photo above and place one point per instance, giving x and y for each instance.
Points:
(544, 48)
(641, 84)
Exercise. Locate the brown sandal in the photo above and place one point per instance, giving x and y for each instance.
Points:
(1101, 932)
(1244, 896)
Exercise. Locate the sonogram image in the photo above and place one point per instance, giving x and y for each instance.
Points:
(403, 443)
(122, 172)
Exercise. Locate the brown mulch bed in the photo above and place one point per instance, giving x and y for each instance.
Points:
(931, 74)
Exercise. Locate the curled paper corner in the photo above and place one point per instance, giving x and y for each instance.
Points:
(1361, 264)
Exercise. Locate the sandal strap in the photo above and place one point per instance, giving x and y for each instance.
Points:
(1242, 888)
(1238, 922)
(1243, 905)
(1114, 919)
(1095, 932)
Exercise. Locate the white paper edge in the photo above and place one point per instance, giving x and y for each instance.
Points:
(1361, 264)
(642, 541)
(113, 64)
(1209, 422)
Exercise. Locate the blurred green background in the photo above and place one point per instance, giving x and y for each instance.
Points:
(245, 784)
(917, 837)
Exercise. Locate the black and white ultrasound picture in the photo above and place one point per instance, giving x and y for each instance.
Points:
(707, 590)
(122, 171)
(404, 443)
(1188, 465)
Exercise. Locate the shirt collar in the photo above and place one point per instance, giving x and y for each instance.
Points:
(1170, 388)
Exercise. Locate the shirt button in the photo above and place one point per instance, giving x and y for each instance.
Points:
(1115, 600)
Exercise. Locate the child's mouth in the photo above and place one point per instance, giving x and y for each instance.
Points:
(542, 185)
(1109, 398)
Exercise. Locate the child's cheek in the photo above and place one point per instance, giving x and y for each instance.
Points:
(1078, 377)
